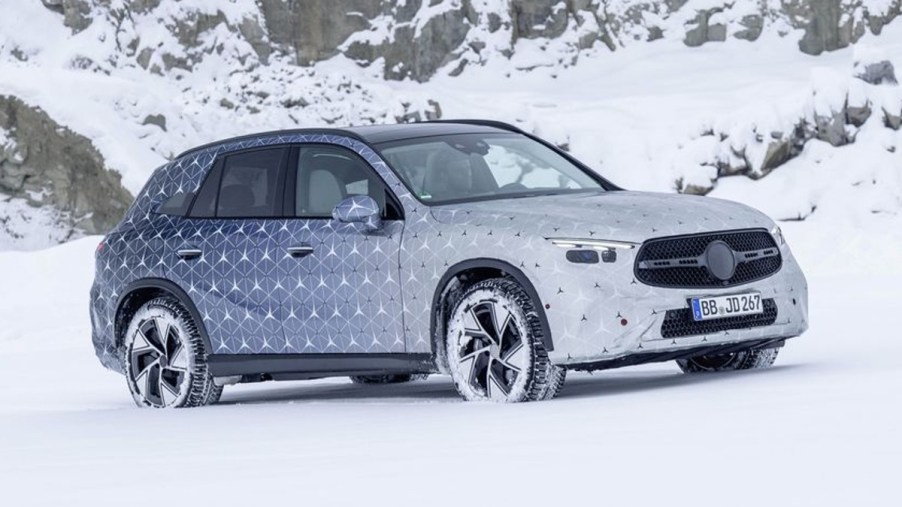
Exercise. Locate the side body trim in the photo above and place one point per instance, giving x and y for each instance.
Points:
(318, 365)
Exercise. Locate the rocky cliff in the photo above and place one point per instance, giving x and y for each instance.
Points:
(152, 77)
(415, 38)
(48, 165)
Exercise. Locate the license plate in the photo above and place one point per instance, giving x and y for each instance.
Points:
(726, 306)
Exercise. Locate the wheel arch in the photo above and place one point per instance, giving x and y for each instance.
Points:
(143, 290)
(460, 276)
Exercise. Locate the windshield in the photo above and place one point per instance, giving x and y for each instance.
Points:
(464, 167)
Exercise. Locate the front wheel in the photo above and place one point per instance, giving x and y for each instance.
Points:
(165, 358)
(743, 360)
(495, 346)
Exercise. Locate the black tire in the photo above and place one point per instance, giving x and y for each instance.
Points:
(392, 378)
(165, 358)
(743, 360)
(495, 348)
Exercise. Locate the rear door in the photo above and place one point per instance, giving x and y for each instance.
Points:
(230, 255)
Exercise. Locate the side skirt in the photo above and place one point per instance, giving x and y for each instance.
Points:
(256, 367)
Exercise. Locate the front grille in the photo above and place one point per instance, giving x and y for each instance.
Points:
(680, 323)
(679, 261)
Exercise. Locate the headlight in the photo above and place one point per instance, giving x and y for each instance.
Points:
(777, 233)
(597, 244)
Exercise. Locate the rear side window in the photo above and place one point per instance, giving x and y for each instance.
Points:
(245, 185)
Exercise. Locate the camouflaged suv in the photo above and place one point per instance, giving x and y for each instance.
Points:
(386, 253)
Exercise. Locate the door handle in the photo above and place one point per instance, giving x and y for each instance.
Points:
(189, 253)
(300, 251)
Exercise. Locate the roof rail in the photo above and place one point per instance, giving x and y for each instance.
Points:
(301, 131)
(485, 123)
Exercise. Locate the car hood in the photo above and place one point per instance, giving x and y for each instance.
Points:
(615, 215)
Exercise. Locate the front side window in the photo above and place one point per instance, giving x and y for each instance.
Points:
(249, 185)
(326, 175)
(464, 167)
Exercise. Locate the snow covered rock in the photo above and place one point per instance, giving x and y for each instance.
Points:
(46, 165)
(706, 28)
(873, 66)
(417, 39)
(834, 112)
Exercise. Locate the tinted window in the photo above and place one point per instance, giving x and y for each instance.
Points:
(328, 174)
(205, 203)
(474, 166)
(249, 184)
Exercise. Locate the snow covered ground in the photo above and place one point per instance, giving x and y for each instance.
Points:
(820, 428)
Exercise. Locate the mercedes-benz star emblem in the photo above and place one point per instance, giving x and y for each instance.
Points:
(720, 260)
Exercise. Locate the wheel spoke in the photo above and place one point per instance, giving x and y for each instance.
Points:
(501, 320)
(472, 355)
(512, 351)
(152, 385)
(469, 366)
(170, 381)
(509, 366)
(148, 332)
(484, 315)
(471, 323)
(478, 372)
(163, 329)
(497, 384)
(142, 362)
(179, 362)
(142, 343)
(141, 377)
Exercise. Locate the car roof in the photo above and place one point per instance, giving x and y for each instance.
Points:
(377, 134)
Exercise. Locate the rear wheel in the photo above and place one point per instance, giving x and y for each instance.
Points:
(495, 346)
(743, 360)
(165, 358)
(392, 378)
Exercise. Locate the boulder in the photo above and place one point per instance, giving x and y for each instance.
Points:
(857, 113)
(752, 26)
(315, 30)
(705, 29)
(533, 19)
(831, 128)
(76, 13)
(876, 73)
(892, 120)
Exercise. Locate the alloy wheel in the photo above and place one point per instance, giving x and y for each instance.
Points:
(491, 354)
(159, 362)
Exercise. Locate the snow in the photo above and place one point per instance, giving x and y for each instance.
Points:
(639, 115)
(820, 428)
(26, 227)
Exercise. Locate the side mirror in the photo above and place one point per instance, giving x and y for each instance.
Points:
(361, 209)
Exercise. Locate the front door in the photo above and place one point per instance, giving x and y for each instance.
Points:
(343, 294)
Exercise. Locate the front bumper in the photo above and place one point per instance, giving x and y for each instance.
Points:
(625, 318)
